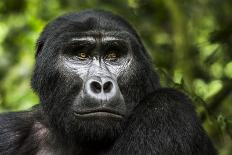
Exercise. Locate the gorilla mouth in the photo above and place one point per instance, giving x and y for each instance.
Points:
(100, 113)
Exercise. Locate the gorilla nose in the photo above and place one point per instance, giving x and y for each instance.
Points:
(102, 88)
(98, 87)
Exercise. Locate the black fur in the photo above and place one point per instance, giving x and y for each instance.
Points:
(157, 120)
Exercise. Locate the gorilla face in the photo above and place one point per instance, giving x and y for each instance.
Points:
(91, 71)
(98, 62)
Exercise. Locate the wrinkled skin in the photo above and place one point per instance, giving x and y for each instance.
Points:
(99, 95)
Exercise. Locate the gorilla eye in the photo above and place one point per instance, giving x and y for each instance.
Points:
(83, 56)
(112, 56)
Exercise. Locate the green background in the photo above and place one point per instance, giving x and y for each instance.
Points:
(190, 43)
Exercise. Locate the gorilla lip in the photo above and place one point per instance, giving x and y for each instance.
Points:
(99, 113)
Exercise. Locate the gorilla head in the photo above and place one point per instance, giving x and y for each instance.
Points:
(91, 71)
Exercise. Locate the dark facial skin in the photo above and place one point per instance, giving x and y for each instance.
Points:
(98, 62)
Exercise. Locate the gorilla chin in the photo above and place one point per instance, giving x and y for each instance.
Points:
(98, 126)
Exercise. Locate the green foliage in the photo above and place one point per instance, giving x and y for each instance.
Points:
(189, 41)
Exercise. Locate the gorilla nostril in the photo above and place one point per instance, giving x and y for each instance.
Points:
(95, 87)
(107, 87)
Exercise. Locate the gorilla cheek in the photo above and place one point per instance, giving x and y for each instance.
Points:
(59, 103)
(131, 85)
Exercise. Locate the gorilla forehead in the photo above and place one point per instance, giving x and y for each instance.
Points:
(96, 19)
(88, 20)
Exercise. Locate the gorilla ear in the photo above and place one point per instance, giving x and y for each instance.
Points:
(39, 47)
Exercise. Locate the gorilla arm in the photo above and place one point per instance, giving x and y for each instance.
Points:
(14, 129)
(23, 132)
(164, 123)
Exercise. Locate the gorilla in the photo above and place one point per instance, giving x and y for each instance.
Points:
(100, 95)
